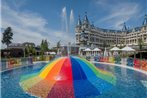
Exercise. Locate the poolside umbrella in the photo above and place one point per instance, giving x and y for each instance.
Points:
(53, 53)
(68, 77)
(115, 49)
(95, 50)
(87, 50)
(127, 49)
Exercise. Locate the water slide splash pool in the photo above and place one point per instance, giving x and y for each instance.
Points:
(68, 77)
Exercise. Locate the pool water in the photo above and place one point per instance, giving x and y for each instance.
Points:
(10, 87)
(129, 83)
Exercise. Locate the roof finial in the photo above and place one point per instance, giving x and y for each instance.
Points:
(124, 23)
(124, 27)
(92, 24)
(79, 21)
(86, 21)
(145, 20)
(79, 15)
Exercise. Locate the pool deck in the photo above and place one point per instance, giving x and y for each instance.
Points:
(41, 62)
(144, 72)
(128, 67)
(24, 65)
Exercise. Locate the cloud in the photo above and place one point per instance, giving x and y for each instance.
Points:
(119, 13)
(17, 4)
(30, 27)
(101, 2)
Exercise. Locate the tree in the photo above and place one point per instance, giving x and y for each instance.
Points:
(44, 47)
(7, 36)
(34, 51)
(30, 50)
(27, 49)
(58, 46)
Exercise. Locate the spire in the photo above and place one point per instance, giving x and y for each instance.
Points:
(133, 29)
(124, 27)
(145, 20)
(86, 21)
(79, 21)
(92, 24)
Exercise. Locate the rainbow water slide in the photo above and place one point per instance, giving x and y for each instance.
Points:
(68, 77)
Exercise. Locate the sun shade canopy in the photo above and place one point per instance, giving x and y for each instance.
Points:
(115, 49)
(87, 49)
(96, 49)
(127, 49)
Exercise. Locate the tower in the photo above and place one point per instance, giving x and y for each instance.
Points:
(124, 29)
(144, 23)
(85, 23)
(145, 20)
(78, 26)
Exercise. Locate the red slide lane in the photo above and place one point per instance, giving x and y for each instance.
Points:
(63, 88)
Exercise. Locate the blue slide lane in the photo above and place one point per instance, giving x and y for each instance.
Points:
(82, 87)
(100, 84)
(77, 71)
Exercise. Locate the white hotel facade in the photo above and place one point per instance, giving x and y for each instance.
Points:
(87, 35)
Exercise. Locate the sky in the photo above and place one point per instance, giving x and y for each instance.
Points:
(55, 20)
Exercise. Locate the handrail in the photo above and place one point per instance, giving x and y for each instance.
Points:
(11, 63)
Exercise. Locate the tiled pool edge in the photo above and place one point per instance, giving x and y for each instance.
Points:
(24, 66)
(120, 65)
(142, 71)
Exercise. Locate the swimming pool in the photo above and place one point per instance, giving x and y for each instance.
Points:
(129, 83)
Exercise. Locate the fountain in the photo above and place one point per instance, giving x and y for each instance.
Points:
(68, 77)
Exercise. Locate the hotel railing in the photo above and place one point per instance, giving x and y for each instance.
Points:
(7, 64)
(136, 63)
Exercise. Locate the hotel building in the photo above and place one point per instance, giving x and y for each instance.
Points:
(87, 35)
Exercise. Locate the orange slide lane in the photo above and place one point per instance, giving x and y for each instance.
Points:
(43, 88)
